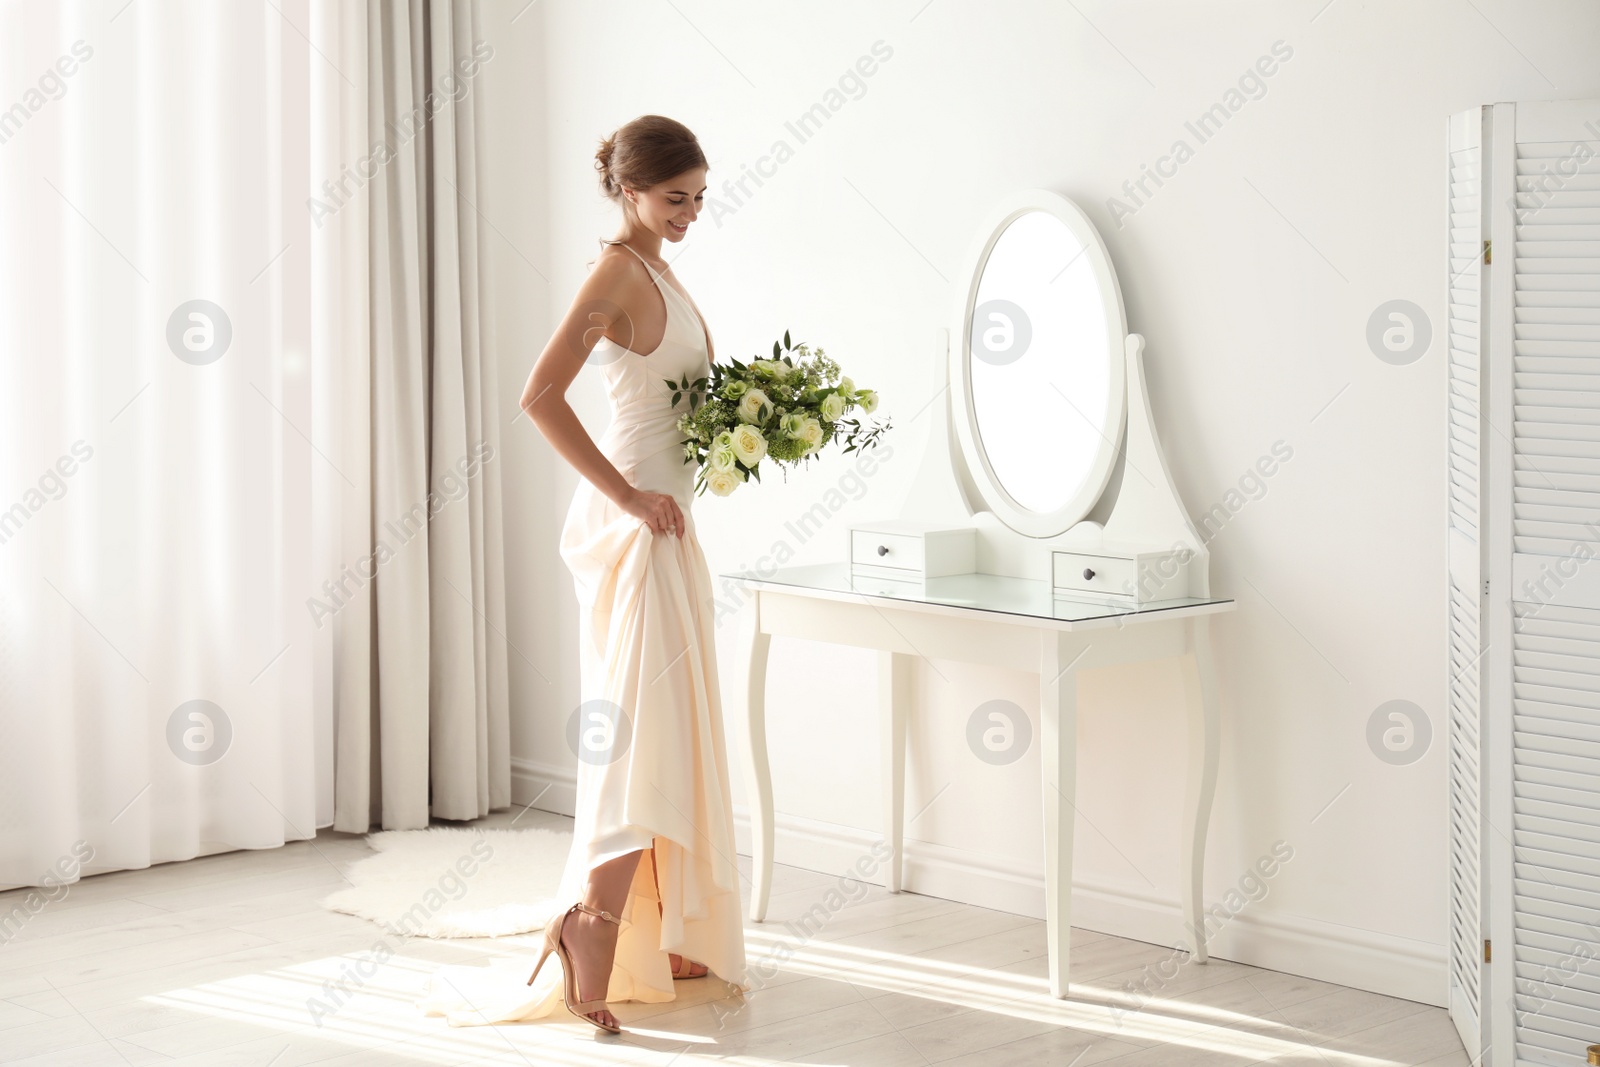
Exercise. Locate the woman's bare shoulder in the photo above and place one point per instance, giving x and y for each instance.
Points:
(614, 275)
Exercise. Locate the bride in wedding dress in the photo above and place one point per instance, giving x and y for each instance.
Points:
(652, 868)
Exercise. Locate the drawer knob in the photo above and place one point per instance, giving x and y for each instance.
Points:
(883, 550)
(1087, 574)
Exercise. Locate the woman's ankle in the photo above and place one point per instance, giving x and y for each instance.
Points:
(593, 944)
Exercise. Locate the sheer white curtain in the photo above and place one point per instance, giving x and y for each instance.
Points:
(196, 451)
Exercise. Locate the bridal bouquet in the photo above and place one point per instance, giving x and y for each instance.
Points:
(784, 409)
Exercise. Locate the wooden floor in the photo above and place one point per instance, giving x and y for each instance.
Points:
(211, 963)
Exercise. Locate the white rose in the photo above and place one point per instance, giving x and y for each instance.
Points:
(720, 453)
(833, 407)
(868, 399)
(724, 481)
(754, 406)
(811, 434)
(748, 444)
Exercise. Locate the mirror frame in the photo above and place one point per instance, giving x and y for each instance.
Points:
(1005, 507)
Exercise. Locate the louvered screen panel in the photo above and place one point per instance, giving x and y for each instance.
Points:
(1466, 253)
(1556, 501)
(1466, 928)
(1556, 831)
(1463, 418)
(1555, 672)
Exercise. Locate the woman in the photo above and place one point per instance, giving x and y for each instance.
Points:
(652, 864)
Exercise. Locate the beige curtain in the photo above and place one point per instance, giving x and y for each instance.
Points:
(419, 652)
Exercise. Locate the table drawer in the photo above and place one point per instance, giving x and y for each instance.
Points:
(1088, 573)
(901, 551)
(1140, 576)
(912, 550)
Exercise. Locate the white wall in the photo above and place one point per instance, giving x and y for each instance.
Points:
(1252, 272)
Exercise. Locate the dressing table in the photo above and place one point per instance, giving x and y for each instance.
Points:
(1045, 535)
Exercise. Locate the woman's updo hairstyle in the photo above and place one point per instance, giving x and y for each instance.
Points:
(645, 152)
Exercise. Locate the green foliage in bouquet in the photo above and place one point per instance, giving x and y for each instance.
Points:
(785, 409)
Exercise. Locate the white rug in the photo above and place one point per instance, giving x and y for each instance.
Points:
(449, 882)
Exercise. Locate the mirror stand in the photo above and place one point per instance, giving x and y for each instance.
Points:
(1018, 483)
(1147, 525)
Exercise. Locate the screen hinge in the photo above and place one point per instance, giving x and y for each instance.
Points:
(1488, 248)
(1486, 951)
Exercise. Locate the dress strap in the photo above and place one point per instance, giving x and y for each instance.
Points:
(635, 251)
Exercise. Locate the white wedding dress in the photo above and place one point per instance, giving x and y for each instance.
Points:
(647, 645)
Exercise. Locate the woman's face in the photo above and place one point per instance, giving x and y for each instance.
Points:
(670, 208)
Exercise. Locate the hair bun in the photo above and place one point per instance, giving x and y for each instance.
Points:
(602, 162)
(642, 153)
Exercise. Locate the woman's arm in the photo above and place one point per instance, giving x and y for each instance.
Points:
(596, 306)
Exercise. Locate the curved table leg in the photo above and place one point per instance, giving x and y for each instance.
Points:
(1058, 761)
(758, 778)
(894, 706)
(1205, 733)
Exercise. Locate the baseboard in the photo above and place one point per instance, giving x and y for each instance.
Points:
(1327, 952)
(544, 785)
(1362, 959)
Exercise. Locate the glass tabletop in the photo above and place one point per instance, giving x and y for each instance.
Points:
(983, 592)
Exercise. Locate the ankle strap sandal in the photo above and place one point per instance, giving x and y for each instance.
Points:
(583, 1009)
(601, 912)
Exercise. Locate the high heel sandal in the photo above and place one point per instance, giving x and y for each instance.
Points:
(569, 972)
(686, 966)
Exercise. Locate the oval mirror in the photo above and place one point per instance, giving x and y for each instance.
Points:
(1039, 371)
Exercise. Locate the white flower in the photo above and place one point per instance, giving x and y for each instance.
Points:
(811, 434)
(833, 407)
(721, 457)
(847, 387)
(748, 444)
(754, 406)
(770, 368)
(868, 399)
(735, 389)
(724, 481)
(792, 423)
